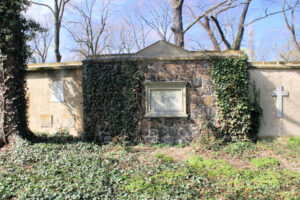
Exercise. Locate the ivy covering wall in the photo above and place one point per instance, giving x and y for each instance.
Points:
(237, 118)
(112, 95)
(15, 31)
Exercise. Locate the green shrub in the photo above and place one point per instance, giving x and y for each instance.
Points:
(265, 162)
(241, 149)
(211, 138)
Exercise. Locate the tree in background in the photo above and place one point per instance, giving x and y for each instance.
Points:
(40, 44)
(14, 53)
(58, 13)
(131, 26)
(177, 27)
(240, 30)
(139, 31)
(89, 28)
(290, 20)
(212, 20)
(156, 14)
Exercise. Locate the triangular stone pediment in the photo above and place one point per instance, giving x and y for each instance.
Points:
(162, 49)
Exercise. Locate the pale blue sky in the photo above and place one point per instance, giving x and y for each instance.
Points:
(269, 33)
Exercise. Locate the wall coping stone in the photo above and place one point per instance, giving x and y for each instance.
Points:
(275, 65)
(191, 57)
(54, 66)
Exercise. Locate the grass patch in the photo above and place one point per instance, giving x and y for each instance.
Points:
(265, 163)
(164, 158)
(294, 141)
(213, 168)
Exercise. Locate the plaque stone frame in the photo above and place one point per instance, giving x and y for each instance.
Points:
(166, 99)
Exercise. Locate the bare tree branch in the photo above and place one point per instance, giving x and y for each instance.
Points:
(290, 25)
(265, 16)
(204, 14)
(139, 32)
(227, 7)
(42, 4)
(221, 32)
(41, 42)
(158, 18)
(89, 32)
(209, 31)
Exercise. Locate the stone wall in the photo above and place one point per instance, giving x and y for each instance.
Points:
(164, 62)
(200, 101)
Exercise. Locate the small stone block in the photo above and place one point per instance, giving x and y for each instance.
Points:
(197, 82)
(209, 101)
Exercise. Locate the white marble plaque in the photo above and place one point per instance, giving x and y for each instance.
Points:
(166, 99)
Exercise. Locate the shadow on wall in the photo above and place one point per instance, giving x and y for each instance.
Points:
(69, 90)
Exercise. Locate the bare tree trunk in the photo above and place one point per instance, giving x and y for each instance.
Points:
(177, 20)
(57, 39)
(241, 28)
(210, 33)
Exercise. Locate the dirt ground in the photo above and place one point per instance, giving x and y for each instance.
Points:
(183, 154)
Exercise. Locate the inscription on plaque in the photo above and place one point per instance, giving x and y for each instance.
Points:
(166, 99)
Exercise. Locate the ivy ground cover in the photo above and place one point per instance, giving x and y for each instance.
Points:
(63, 168)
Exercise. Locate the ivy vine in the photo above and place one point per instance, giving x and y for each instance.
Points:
(15, 31)
(112, 95)
(237, 117)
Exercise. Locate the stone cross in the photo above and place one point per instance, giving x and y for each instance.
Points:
(279, 93)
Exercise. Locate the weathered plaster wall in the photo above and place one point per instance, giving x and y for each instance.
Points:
(200, 100)
(267, 76)
(48, 116)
